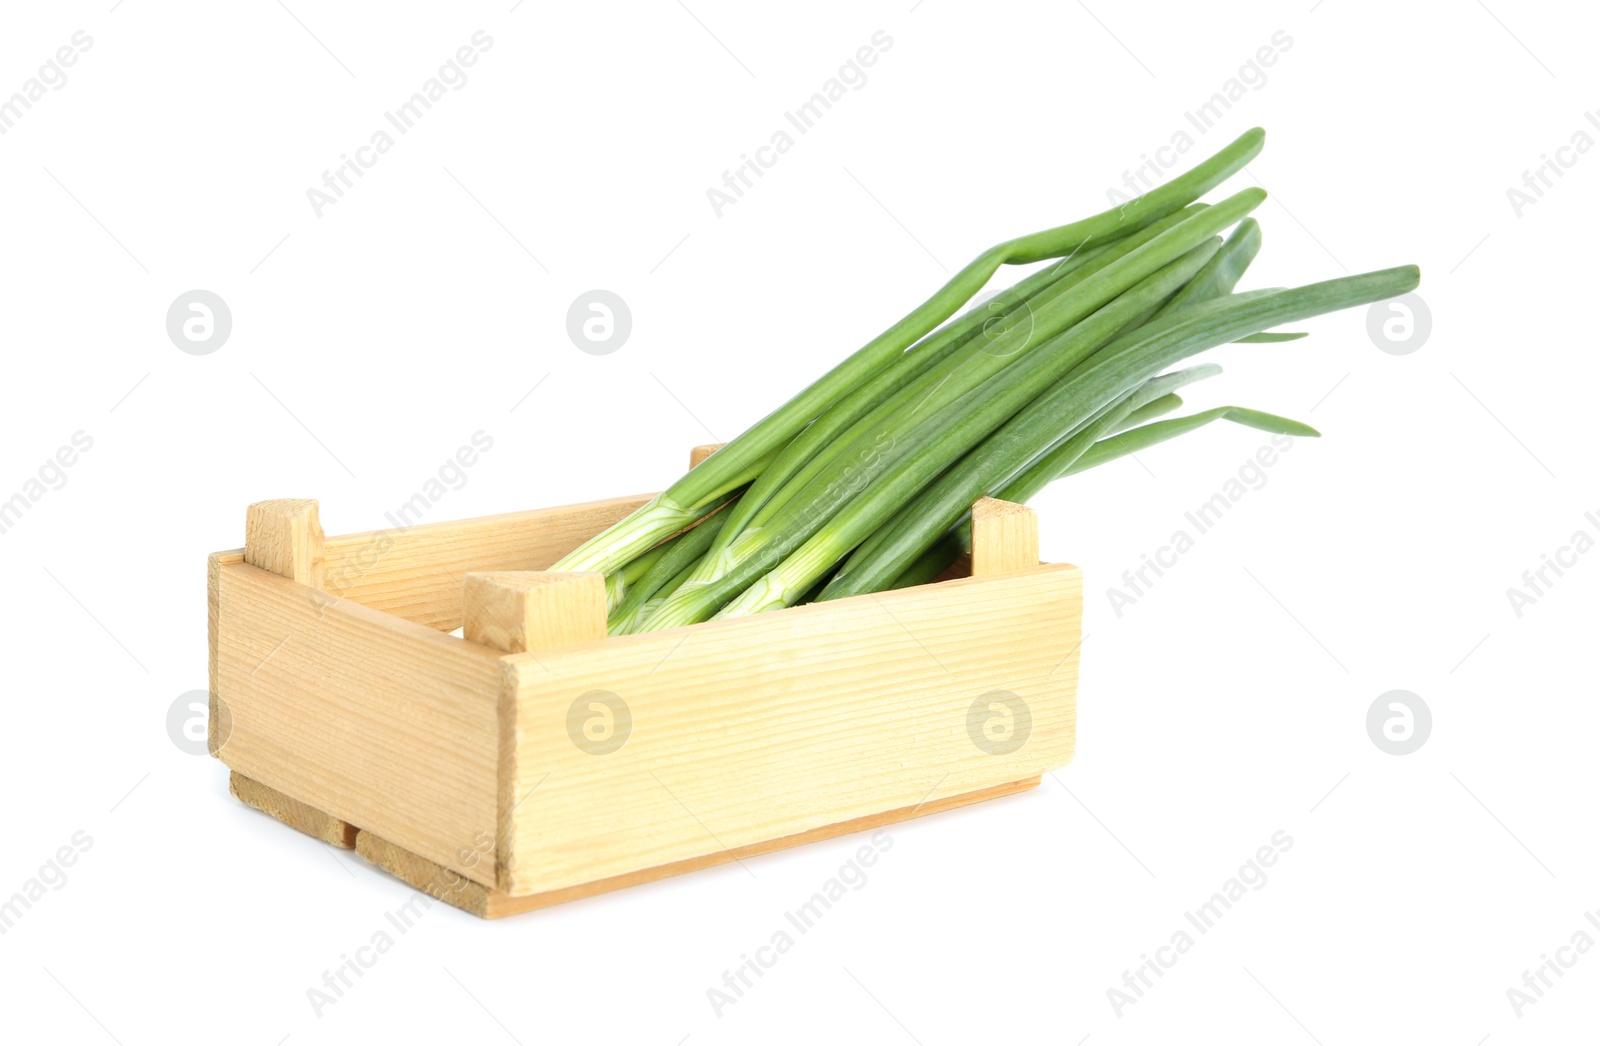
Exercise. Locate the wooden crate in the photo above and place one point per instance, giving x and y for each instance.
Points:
(538, 760)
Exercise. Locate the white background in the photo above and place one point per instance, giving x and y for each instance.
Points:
(1227, 704)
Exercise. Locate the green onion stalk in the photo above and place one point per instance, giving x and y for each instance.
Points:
(664, 574)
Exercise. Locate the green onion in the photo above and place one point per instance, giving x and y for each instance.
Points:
(970, 418)
(1110, 373)
(921, 454)
(1037, 314)
(665, 572)
(1222, 275)
(619, 581)
(1150, 411)
(988, 328)
(1169, 260)
(1264, 337)
(741, 461)
(866, 479)
(917, 520)
(635, 619)
(1134, 440)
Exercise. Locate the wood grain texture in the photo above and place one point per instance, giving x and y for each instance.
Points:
(293, 812)
(1005, 536)
(415, 570)
(445, 884)
(520, 610)
(285, 537)
(372, 719)
(758, 728)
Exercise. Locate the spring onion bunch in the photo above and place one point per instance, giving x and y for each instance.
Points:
(865, 480)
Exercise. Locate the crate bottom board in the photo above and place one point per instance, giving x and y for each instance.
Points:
(443, 884)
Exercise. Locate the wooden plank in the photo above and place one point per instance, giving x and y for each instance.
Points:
(435, 880)
(377, 721)
(519, 610)
(1005, 536)
(449, 886)
(285, 537)
(292, 812)
(730, 733)
(415, 570)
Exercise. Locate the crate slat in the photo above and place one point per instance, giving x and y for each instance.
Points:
(415, 571)
(292, 812)
(447, 885)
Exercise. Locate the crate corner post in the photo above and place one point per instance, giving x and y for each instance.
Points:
(284, 537)
(1005, 536)
(523, 612)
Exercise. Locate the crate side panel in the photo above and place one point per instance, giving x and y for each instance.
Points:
(415, 570)
(754, 729)
(374, 720)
